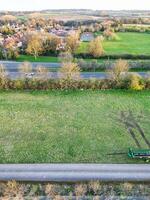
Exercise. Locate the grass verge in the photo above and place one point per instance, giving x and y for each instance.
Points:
(28, 58)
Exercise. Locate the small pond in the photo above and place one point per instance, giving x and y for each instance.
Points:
(87, 37)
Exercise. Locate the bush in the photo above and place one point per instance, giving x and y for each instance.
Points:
(118, 71)
(147, 81)
(95, 48)
(135, 28)
(80, 189)
(91, 66)
(109, 34)
(114, 56)
(14, 190)
(93, 190)
(135, 82)
(42, 73)
(3, 77)
(18, 84)
(69, 71)
(129, 82)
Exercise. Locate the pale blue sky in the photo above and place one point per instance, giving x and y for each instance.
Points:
(86, 4)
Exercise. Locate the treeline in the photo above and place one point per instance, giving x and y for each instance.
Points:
(134, 28)
(36, 44)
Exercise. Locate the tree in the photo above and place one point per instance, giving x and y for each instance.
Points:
(3, 72)
(96, 48)
(36, 20)
(72, 42)
(109, 34)
(34, 45)
(51, 43)
(3, 77)
(70, 71)
(6, 30)
(8, 19)
(42, 73)
(118, 69)
(10, 49)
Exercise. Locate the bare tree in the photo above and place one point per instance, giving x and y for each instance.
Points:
(42, 73)
(120, 68)
(95, 47)
(72, 42)
(70, 71)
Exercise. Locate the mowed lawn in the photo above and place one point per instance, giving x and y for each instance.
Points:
(69, 126)
(23, 58)
(128, 43)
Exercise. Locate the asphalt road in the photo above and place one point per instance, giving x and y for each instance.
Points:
(75, 172)
(84, 75)
(13, 66)
(12, 69)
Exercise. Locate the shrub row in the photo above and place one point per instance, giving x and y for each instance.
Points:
(114, 56)
(95, 66)
(133, 81)
(83, 190)
(136, 29)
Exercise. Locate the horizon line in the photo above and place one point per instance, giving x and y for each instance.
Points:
(55, 9)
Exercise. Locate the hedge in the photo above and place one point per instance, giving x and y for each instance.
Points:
(114, 56)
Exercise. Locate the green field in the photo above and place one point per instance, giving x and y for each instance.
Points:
(128, 43)
(70, 126)
(28, 58)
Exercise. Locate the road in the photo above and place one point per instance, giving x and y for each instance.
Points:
(12, 68)
(75, 172)
(84, 75)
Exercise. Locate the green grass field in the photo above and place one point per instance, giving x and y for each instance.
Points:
(128, 43)
(28, 58)
(69, 126)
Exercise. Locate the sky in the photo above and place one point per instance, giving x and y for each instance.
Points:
(27, 5)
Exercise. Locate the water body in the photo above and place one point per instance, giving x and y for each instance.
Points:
(87, 37)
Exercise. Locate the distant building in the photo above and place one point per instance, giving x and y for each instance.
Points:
(61, 32)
